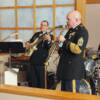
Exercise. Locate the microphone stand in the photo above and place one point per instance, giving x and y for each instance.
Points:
(9, 60)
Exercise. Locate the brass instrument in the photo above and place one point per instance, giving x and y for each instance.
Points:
(54, 47)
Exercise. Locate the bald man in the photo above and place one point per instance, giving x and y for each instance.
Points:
(71, 65)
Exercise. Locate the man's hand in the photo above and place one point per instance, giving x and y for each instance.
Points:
(27, 45)
(47, 37)
(61, 38)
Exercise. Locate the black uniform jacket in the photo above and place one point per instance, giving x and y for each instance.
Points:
(39, 56)
(71, 65)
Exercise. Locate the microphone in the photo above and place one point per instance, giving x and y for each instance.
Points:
(61, 26)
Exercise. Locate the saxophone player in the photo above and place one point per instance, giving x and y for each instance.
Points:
(71, 66)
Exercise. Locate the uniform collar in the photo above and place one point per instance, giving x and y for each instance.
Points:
(76, 27)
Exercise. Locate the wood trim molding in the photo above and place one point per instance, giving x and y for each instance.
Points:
(81, 6)
(50, 94)
(92, 1)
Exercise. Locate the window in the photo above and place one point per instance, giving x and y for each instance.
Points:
(24, 16)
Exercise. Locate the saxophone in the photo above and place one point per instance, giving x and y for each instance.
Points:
(53, 56)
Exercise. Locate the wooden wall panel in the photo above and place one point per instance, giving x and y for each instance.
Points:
(93, 1)
(81, 6)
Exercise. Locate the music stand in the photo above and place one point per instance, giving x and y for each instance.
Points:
(14, 47)
(11, 47)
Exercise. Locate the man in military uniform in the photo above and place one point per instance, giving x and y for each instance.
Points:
(36, 73)
(71, 66)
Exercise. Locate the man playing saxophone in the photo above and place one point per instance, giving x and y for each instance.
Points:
(71, 64)
(36, 73)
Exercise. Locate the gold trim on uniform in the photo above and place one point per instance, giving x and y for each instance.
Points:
(74, 86)
(71, 34)
(74, 48)
(80, 41)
